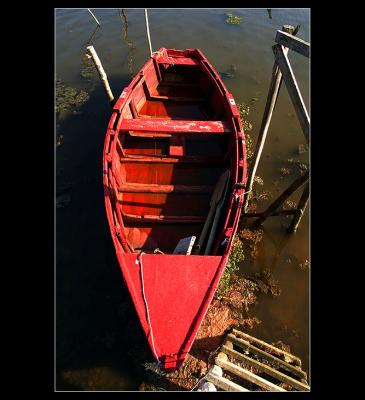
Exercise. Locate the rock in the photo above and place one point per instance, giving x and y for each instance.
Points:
(207, 387)
(217, 370)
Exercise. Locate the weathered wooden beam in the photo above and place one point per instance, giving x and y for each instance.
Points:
(274, 214)
(224, 383)
(300, 210)
(103, 77)
(247, 375)
(244, 344)
(272, 96)
(272, 349)
(292, 87)
(265, 368)
(280, 200)
(293, 43)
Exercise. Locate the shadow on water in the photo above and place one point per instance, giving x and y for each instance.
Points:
(96, 321)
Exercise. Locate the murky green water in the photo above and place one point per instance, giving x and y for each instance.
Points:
(97, 329)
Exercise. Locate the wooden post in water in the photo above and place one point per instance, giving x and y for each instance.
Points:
(300, 210)
(280, 200)
(104, 79)
(148, 31)
(272, 96)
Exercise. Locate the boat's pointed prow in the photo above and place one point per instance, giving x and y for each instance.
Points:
(178, 290)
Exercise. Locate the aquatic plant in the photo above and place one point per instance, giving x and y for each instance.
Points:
(59, 140)
(232, 19)
(68, 98)
(236, 256)
(303, 148)
(266, 282)
(251, 239)
(302, 166)
(87, 67)
(289, 205)
(258, 180)
(263, 195)
(244, 111)
(284, 171)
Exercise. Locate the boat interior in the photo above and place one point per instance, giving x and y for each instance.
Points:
(174, 146)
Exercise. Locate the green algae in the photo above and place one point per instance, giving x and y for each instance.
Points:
(68, 98)
(232, 19)
(235, 257)
(244, 111)
(88, 70)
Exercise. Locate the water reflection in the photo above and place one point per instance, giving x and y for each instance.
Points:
(131, 46)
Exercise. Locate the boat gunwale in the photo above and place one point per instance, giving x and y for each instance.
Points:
(240, 151)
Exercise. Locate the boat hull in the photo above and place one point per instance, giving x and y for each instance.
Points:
(167, 144)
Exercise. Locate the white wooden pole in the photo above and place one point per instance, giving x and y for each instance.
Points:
(103, 77)
(93, 16)
(148, 31)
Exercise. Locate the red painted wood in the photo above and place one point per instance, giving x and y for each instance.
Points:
(177, 60)
(171, 219)
(171, 160)
(152, 188)
(157, 187)
(176, 126)
(178, 293)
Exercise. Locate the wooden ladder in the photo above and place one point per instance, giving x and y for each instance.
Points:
(246, 363)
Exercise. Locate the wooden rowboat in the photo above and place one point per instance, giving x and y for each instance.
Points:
(174, 169)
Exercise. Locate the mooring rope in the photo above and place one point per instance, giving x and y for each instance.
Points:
(139, 261)
(237, 196)
(148, 31)
(96, 20)
(210, 369)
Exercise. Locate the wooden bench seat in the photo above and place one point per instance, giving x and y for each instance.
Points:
(133, 158)
(177, 60)
(175, 126)
(162, 219)
(153, 188)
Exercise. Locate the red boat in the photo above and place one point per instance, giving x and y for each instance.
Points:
(174, 170)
